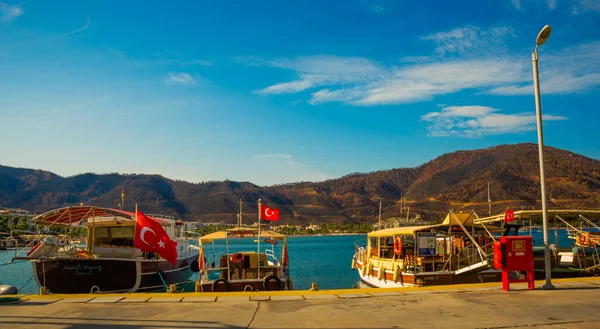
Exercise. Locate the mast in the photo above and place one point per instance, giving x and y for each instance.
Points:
(489, 201)
(240, 215)
(379, 225)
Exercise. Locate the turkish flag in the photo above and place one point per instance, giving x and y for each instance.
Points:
(509, 216)
(267, 213)
(151, 237)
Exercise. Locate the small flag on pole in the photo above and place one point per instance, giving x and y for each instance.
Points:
(509, 216)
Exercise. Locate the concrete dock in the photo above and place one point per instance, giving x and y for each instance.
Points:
(572, 305)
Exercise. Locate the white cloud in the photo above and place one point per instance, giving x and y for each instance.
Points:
(551, 4)
(180, 79)
(516, 3)
(9, 13)
(363, 82)
(575, 69)
(476, 121)
(470, 39)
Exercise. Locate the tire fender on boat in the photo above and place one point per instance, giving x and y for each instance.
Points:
(271, 278)
(217, 283)
(381, 272)
(370, 269)
(396, 273)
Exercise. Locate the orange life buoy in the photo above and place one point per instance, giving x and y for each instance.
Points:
(581, 239)
(397, 245)
(82, 254)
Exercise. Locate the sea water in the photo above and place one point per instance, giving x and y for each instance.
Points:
(324, 260)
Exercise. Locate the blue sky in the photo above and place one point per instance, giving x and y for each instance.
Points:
(282, 91)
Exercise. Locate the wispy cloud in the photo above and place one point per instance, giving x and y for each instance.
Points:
(575, 69)
(199, 62)
(476, 121)
(359, 81)
(184, 79)
(9, 13)
(533, 3)
(76, 31)
(363, 82)
(288, 158)
(470, 39)
(586, 5)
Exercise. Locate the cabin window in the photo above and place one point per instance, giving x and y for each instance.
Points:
(388, 247)
(101, 236)
(121, 232)
(374, 246)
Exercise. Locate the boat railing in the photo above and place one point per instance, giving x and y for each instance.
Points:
(468, 256)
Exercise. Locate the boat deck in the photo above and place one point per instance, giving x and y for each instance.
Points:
(458, 306)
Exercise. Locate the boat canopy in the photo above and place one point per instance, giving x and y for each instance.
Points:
(401, 230)
(71, 216)
(464, 218)
(537, 215)
(241, 233)
(469, 220)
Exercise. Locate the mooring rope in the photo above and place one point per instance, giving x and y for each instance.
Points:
(25, 284)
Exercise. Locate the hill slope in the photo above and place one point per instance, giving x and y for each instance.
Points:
(455, 180)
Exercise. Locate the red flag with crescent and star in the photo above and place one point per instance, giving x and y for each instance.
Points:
(509, 216)
(151, 237)
(267, 213)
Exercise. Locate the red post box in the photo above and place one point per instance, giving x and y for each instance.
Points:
(514, 253)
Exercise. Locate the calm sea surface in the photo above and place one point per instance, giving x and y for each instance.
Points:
(325, 260)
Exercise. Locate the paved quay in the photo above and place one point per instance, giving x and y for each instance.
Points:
(572, 305)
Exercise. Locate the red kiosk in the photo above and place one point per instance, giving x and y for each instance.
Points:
(514, 253)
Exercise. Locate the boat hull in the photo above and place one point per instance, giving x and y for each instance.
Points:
(242, 285)
(72, 275)
(425, 278)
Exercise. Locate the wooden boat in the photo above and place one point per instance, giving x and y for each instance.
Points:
(459, 250)
(580, 258)
(244, 270)
(456, 251)
(107, 262)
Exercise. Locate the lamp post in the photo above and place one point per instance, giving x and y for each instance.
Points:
(541, 38)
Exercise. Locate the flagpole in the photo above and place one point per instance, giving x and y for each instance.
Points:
(258, 255)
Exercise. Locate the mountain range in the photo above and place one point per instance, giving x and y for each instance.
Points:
(457, 180)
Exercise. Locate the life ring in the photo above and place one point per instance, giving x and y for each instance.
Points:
(581, 239)
(216, 286)
(267, 286)
(484, 240)
(82, 254)
(397, 245)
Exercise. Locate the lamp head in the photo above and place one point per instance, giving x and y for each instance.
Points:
(543, 36)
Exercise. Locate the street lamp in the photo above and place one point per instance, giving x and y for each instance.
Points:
(541, 38)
